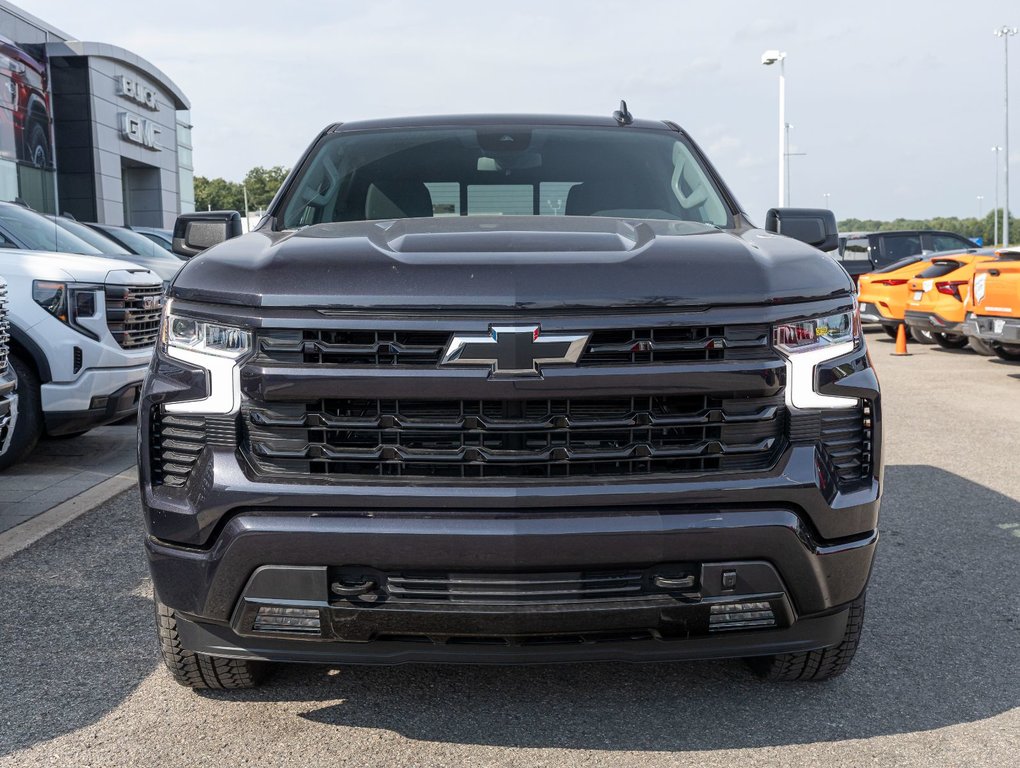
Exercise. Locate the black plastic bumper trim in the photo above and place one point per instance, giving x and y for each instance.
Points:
(808, 633)
(104, 410)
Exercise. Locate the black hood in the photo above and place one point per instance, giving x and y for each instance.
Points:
(505, 262)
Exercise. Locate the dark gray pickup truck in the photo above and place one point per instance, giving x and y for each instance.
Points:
(501, 389)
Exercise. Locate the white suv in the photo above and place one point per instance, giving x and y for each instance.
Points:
(82, 329)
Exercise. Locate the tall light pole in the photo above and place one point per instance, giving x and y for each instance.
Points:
(979, 199)
(768, 58)
(1005, 33)
(788, 155)
(826, 196)
(996, 150)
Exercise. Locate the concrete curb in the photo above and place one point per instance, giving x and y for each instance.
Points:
(27, 533)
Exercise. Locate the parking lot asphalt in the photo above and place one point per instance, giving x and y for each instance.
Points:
(61, 468)
(936, 680)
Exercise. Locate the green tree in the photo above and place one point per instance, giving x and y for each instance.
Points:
(971, 227)
(262, 184)
(218, 195)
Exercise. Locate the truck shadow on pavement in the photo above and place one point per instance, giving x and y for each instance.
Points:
(940, 648)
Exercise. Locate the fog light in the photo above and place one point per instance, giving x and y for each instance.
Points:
(740, 616)
(274, 618)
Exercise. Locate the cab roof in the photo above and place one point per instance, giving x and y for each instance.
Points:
(456, 121)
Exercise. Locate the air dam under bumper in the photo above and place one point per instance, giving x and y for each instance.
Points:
(763, 564)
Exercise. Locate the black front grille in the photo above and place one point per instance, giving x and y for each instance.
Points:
(528, 438)
(514, 587)
(4, 327)
(623, 346)
(846, 437)
(179, 439)
(132, 314)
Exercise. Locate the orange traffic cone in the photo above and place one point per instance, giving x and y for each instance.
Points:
(901, 341)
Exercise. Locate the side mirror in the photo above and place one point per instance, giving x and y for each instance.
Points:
(194, 232)
(814, 226)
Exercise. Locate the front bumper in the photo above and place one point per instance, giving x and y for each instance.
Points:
(1005, 330)
(98, 397)
(930, 321)
(770, 555)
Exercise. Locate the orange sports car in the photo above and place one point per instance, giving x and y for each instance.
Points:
(937, 300)
(994, 311)
(882, 294)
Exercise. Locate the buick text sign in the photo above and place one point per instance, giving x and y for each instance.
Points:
(134, 127)
(137, 92)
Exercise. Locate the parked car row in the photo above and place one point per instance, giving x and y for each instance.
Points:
(954, 299)
(79, 316)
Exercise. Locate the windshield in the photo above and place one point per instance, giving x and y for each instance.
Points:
(513, 171)
(104, 244)
(38, 233)
(133, 241)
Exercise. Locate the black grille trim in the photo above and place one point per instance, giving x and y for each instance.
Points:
(179, 439)
(514, 587)
(530, 438)
(846, 437)
(4, 327)
(411, 348)
(132, 314)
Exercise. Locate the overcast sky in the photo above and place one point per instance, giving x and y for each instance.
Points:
(896, 105)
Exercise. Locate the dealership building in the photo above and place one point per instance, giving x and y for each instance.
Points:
(90, 129)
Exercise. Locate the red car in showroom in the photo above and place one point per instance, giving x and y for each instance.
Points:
(25, 102)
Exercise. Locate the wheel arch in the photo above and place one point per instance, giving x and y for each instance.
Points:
(25, 347)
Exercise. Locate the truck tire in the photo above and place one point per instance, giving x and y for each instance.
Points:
(950, 340)
(823, 664)
(37, 147)
(199, 670)
(1010, 352)
(922, 336)
(981, 347)
(28, 426)
(890, 331)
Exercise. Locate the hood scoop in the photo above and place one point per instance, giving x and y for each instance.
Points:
(509, 241)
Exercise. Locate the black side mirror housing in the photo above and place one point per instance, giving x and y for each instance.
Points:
(194, 232)
(814, 226)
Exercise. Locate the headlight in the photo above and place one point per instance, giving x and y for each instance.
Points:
(818, 333)
(52, 297)
(189, 333)
(807, 343)
(216, 347)
(68, 302)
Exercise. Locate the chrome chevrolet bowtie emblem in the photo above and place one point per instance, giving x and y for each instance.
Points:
(519, 350)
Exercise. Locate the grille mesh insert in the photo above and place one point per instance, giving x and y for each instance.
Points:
(846, 436)
(132, 314)
(626, 346)
(179, 439)
(4, 327)
(529, 438)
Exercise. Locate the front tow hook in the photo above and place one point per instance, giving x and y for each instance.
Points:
(679, 584)
(352, 590)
